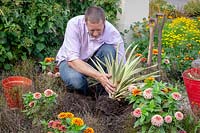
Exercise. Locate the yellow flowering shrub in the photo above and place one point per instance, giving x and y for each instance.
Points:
(181, 41)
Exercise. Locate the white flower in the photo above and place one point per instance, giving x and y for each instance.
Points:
(166, 61)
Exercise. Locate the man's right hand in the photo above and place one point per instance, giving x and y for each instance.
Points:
(106, 83)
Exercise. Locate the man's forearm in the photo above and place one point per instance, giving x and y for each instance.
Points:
(84, 68)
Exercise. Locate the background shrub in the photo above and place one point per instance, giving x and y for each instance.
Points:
(29, 28)
(111, 7)
(192, 8)
(36, 28)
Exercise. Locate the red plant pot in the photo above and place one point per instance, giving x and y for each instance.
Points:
(13, 87)
(192, 87)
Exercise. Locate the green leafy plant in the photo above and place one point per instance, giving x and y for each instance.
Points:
(156, 106)
(67, 123)
(48, 64)
(191, 124)
(124, 74)
(29, 29)
(37, 105)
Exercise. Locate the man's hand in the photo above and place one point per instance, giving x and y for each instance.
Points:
(105, 82)
(88, 70)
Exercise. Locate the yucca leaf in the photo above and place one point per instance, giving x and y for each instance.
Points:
(98, 66)
(146, 76)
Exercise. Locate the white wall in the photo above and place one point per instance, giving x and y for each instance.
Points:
(132, 11)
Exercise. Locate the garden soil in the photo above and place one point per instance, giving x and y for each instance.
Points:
(103, 114)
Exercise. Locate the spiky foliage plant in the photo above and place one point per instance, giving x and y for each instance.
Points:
(124, 73)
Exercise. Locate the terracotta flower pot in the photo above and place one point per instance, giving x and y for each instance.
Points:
(13, 87)
(192, 87)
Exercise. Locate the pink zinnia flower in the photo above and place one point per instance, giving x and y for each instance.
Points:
(56, 124)
(179, 116)
(31, 104)
(168, 119)
(62, 128)
(37, 95)
(50, 123)
(157, 120)
(137, 112)
(176, 96)
(48, 92)
(148, 93)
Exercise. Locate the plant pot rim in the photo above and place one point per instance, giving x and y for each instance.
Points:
(13, 81)
(185, 74)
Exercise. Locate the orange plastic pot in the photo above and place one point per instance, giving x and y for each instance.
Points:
(14, 87)
(192, 87)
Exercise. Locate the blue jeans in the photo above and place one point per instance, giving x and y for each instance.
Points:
(77, 81)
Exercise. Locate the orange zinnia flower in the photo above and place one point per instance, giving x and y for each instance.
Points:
(49, 59)
(155, 51)
(138, 54)
(89, 130)
(65, 115)
(77, 121)
(136, 92)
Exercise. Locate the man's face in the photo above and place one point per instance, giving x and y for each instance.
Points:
(95, 29)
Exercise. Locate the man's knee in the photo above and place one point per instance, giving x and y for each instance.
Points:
(108, 50)
(75, 81)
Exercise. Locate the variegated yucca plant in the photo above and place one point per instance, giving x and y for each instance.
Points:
(124, 73)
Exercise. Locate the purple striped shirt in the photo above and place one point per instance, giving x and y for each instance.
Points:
(78, 44)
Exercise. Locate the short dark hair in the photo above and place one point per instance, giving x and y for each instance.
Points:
(94, 14)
